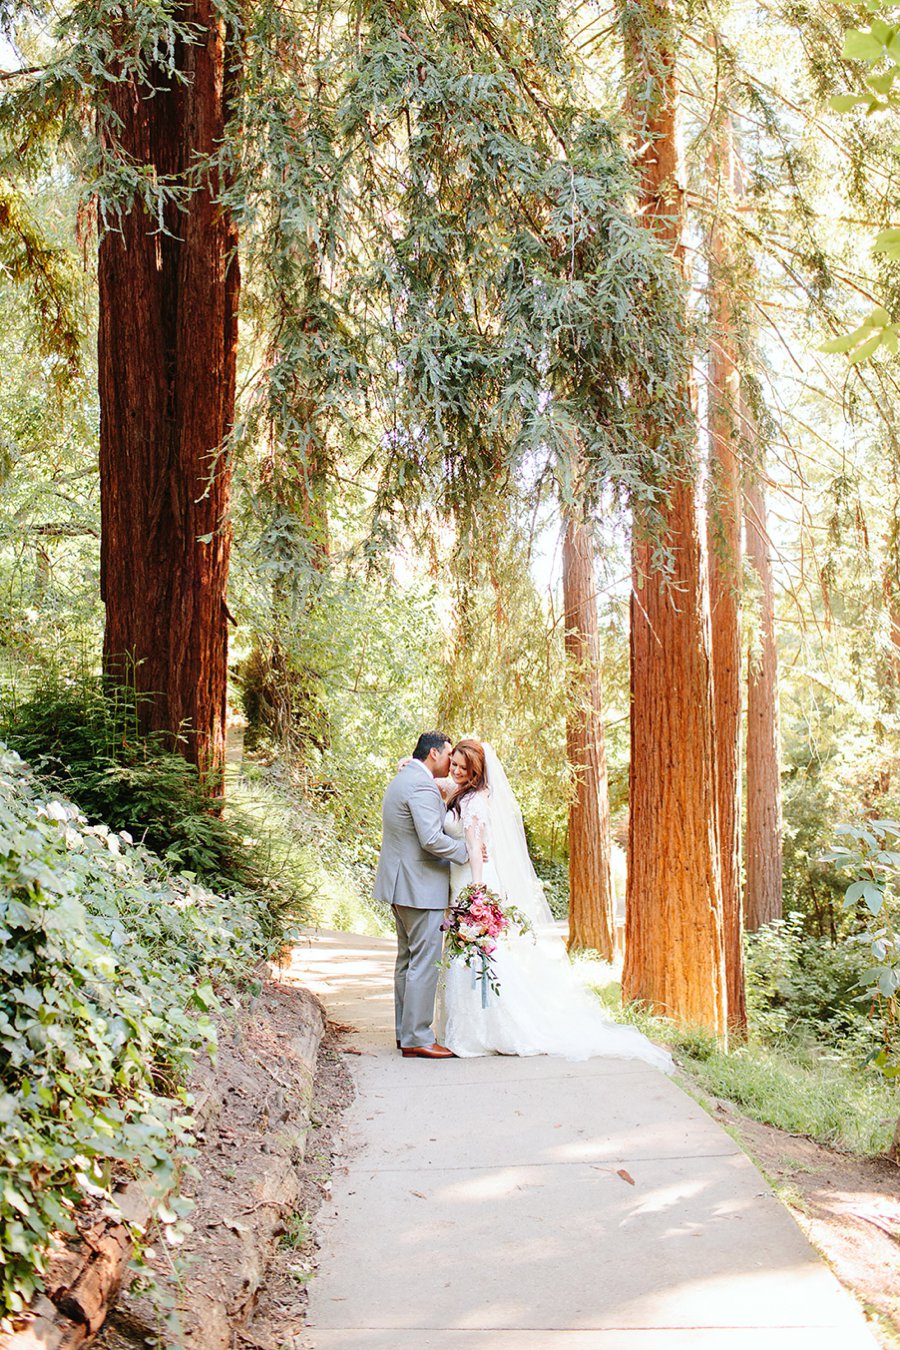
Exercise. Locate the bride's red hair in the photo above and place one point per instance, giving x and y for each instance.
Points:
(472, 752)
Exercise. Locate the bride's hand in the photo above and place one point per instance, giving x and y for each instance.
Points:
(403, 763)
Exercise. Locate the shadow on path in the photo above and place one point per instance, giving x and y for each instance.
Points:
(538, 1204)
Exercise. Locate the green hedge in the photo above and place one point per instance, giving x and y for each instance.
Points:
(109, 973)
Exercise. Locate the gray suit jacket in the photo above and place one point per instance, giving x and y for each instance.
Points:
(414, 865)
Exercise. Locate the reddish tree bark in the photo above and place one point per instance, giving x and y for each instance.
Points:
(725, 570)
(674, 951)
(591, 908)
(763, 885)
(167, 347)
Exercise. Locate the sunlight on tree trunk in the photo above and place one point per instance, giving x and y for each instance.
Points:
(674, 958)
(591, 910)
(725, 566)
(167, 343)
(762, 891)
(891, 582)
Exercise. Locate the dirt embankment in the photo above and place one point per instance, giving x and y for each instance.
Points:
(848, 1207)
(265, 1115)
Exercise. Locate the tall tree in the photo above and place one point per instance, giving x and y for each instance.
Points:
(167, 348)
(762, 890)
(591, 916)
(724, 513)
(674, 957)
(890, 579)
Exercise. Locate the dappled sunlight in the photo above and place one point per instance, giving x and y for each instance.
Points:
(773, 1294)
(519, 1194)
(517, 1243)
(497, 1184)
(662, 1199)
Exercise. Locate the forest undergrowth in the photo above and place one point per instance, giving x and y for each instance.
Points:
(114, 971)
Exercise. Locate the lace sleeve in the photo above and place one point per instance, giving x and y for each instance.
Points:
(473, 810)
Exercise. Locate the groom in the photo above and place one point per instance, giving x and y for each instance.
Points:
(413, 877)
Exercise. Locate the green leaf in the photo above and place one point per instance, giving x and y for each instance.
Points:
(889, 982)
(866, 350)
(874, 898)
(841, 344)
(867, 891)
(204, 996)
(883, 82)
(862, 46)
(16, 1199)
(888, 241)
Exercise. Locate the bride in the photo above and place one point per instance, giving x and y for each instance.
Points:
(542, 1008)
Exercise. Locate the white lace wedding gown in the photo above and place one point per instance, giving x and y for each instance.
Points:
(542, 1008)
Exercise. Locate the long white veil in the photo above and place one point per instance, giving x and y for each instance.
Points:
(514, 866)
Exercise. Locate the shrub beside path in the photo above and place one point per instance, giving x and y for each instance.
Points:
(538, 1204)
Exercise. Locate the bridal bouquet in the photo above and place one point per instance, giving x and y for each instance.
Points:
(473, 925)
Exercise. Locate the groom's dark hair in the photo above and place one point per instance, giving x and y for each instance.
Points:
(428, 741)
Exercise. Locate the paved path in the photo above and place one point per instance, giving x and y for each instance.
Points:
(537, 1204)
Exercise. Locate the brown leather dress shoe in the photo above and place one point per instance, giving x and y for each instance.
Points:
(427, 1052)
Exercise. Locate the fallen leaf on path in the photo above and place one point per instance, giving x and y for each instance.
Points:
(626, 1176)
(420, 1194)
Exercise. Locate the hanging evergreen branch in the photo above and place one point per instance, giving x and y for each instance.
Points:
(48, 276)
(516, 301)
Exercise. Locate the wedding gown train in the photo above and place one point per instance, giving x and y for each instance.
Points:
(542, 1008)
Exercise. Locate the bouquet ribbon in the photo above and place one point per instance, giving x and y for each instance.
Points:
(483, 977)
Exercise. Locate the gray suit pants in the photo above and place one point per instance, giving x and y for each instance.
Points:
(419, 941)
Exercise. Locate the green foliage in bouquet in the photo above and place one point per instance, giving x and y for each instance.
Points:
(109, 975)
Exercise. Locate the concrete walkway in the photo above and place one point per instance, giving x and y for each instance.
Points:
(537, 1204)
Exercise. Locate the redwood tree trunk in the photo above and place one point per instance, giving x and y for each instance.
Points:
(762, 894)
(591, 909)
(725, 573)
(167, 347)
(674, 950)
